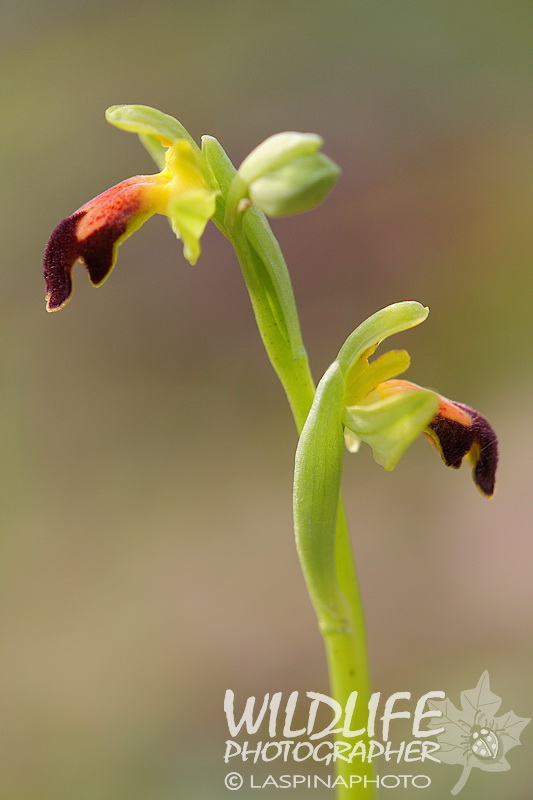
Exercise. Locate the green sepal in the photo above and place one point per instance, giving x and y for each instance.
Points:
(189, 213)
(365, 376)
(218, 162)
(277, 150)
(367, 336)
(221, 173)
(148, 121)
(317, 479)
(298, 186)
(390, 425)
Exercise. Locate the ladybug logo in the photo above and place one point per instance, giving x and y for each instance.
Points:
(484, 742)
(472, 735)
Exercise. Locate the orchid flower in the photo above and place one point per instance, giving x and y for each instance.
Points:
(181, 191)
(388, 414)
(458, 432)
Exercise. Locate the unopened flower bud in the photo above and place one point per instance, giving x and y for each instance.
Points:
(297, 186)
(277, 150)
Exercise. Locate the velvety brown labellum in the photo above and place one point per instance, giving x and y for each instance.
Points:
(478, 440)
(64, 249)
(91, 234)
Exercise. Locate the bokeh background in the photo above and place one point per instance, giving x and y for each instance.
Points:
(147, 561)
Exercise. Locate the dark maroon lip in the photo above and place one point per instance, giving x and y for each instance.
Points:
(457, 440)
(62, 252)
(97, 251)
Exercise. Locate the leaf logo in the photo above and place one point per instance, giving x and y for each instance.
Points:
(473, 735)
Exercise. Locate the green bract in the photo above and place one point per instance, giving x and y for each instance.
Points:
(317, 480)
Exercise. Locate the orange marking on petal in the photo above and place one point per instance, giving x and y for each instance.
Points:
(447, 408)
(450, 410)
(93, 232)
(397, 383)
(121, 202)
(393, 385)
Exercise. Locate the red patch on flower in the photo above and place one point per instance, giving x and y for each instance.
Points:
(91, 235)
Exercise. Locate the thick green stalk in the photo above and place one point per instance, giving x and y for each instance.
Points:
(269, 286)
(344, 632)
(348, 657)
(289, 359)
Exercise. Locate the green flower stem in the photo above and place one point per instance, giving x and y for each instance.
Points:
(344, 631)
(348, 659)
(288, 358)
(323, 545)
(268, 282)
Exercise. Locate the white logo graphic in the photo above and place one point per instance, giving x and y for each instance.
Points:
(473, 735)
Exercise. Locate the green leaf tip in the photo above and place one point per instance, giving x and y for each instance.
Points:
(148, 121)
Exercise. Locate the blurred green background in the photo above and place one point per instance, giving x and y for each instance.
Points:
(147, 556)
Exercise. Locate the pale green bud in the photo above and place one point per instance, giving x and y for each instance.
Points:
(300, 185)
(277, 150)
